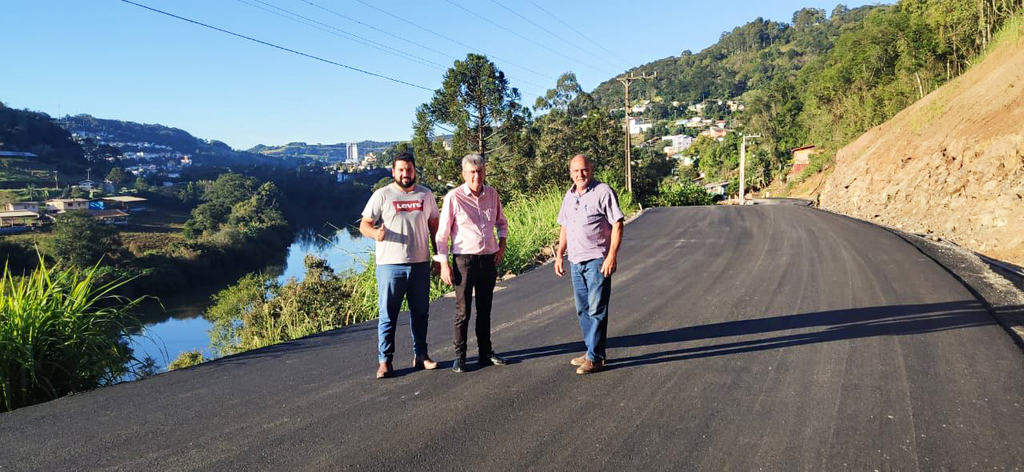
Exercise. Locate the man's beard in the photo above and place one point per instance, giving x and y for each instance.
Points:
(412, 181)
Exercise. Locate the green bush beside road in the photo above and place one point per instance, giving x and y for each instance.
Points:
(62, 332)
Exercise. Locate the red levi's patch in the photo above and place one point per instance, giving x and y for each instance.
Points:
(408, 205)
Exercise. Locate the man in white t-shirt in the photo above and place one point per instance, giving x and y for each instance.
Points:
(407, 215)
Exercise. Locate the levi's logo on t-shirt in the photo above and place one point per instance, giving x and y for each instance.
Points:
(408, 205)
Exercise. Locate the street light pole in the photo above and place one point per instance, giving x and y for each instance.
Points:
(743, 165)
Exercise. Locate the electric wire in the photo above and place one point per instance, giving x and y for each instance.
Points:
(524, 37)
(567, 25)
(265, 43)
(552, 33)
(414, 43)
(344, 34)
(471, 48)
(359, 39)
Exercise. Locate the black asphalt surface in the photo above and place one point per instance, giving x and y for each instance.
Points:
(768, 337)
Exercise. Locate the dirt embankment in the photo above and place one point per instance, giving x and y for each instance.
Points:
(951, 164)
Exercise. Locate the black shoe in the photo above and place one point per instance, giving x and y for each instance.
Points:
(459, 365)
(493, 359)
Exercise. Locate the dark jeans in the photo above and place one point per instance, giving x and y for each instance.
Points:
(473, 273)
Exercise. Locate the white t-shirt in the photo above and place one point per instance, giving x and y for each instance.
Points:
(405, 216)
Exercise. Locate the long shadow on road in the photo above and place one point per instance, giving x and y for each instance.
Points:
(896, 320)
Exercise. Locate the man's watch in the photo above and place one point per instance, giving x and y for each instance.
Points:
(439, 258)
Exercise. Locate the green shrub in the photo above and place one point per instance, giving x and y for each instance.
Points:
(671, 193)
(62, 332)
(817, 163)
(81, 240)
(187, 359)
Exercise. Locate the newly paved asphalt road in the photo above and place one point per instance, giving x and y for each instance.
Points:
(741, 338)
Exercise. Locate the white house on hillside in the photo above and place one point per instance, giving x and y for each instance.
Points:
(678, 143)
(638, 126)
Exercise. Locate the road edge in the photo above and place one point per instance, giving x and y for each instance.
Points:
(1001, 291)
(987, 281)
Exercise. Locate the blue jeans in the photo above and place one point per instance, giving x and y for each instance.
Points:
(395, 282)
(592, 290)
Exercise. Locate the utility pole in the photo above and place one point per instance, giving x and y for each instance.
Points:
(743, 164)
(629, 165)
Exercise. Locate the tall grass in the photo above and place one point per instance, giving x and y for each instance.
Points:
(532, 225)
(61, 332)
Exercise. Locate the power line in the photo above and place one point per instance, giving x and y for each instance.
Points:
(277, 47)
(552, 33)
(471, 48)
(414, 43)
(344, 34)
(521, 36)
(567, 25)
(358, 39)
(538, 87)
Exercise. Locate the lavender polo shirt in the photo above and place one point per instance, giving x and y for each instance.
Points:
(588, 220)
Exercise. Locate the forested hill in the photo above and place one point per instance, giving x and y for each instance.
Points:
(822, 80)
(748, 57)
(35, 132)
(129, 135)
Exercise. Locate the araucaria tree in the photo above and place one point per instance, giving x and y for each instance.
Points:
(482, 111)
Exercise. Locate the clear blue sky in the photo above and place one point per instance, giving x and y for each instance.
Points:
(114, 60)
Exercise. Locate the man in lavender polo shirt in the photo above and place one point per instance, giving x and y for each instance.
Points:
(591, 229)
(469, 217)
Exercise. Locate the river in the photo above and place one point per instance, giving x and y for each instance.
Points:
(179, 326)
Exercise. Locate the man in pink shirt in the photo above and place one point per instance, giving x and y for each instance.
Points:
(469, 216)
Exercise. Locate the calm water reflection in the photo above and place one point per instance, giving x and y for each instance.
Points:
(179, 325)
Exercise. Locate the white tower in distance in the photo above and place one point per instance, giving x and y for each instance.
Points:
(351, 153)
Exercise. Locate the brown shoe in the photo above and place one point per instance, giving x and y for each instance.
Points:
(423, 363)
(384, 370)
(578, 361)
(589, 367)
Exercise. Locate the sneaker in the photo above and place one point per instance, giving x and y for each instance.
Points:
(384, 370)
(492, 359)
(578, 361)
(423, 362)
(589, 367)
(459, 365)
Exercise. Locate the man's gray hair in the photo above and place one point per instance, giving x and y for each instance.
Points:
(473, 160)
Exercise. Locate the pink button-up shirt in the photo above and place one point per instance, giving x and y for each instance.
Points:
(468, 222)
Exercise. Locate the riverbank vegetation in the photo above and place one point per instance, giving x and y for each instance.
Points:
(62, 331)
(219, 226)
